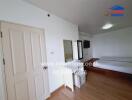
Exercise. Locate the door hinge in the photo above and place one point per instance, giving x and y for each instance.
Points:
(3, 61)
(1, 34)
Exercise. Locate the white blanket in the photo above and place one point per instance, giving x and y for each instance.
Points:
(121, 64)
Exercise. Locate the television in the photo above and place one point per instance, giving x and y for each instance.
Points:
(86, 44)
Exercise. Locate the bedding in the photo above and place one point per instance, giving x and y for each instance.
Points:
(118, 59)
(121, 64)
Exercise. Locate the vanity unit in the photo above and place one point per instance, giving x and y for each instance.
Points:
(74, 74)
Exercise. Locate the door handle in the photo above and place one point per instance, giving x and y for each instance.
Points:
(45, 67)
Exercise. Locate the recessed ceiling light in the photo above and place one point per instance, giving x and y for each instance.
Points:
(107, 26)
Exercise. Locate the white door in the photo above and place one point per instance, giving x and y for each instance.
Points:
(24, 53)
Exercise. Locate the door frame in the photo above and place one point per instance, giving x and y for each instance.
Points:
(3, 68)
(1, 52)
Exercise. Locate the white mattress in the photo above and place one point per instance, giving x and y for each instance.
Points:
(116, 64)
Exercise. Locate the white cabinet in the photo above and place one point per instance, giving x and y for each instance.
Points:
(79, 78)
(68, 78)
(70, 69)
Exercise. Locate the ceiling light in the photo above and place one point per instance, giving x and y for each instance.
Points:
(107, 26)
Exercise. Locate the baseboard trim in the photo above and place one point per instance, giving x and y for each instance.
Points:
(110, 73)
(56, 91)
(68, 88)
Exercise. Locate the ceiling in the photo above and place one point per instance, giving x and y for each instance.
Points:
(90, 15)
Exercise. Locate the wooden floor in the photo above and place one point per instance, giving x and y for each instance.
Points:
(98, 87)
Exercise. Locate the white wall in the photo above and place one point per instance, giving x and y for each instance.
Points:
(56, 29)
(87, 52)
(116, 43)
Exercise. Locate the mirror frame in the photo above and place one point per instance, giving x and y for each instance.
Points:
(71, 48)
(80, 41)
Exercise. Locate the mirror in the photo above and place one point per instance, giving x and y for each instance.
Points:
(68, 50)
(80, 49)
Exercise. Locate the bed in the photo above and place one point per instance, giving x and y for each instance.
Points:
(120, 64)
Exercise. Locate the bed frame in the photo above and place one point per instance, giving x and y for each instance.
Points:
(110, 73)
(88, 66)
